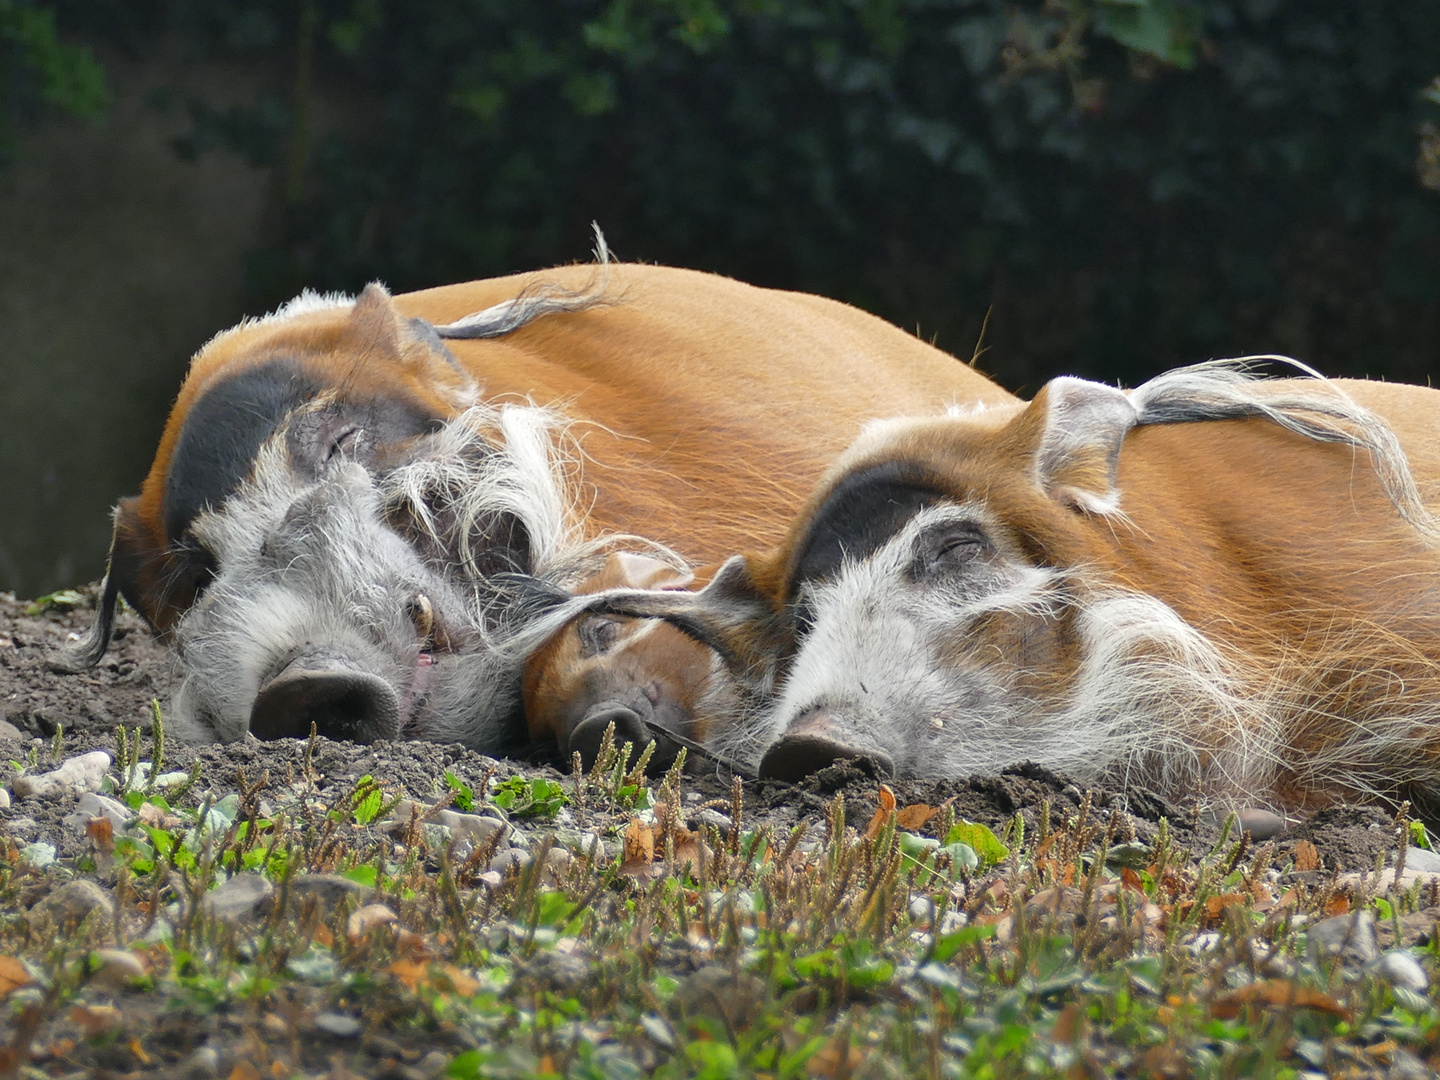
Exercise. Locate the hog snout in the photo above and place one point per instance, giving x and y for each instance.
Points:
(630, 727)
(815, 741)
(328, 691)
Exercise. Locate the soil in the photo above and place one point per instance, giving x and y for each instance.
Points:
(38, 698)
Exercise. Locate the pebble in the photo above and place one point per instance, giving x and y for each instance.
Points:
(4, 799)
(711, 816)
(492, 878)
(1351, 936)
(116, 968)
(433, 1063)
(327, 889)
(473, 827)
(338, 1024)
(1260, 824)
(1417, 858)
(75, 777)
(592, 847)
(508, 858)
(21, 826)
(10, 731)
(238, 899)
(203, 1063)
(98, 806)
(922, 911)
(74, 901)
(1399, 968)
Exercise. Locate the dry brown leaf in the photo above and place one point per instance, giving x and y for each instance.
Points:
(1276, 993)
(1306, 857)
(1068, 1023)
(1043, 848)
(13, 975)
(886, 798)
(279, 1070)
(1131, 880)
(915, 815)
(410, 972)
(95, 1019)
(1339, 904)
(639, 842)
(243, 1070)
(139, 1052)
(462, 982)
(836, 1058)
(1217, 904)
(368, 918)
(101, 831)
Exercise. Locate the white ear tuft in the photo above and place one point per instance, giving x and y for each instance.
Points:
(1079, 453)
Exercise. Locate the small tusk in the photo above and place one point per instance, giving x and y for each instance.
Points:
(422, 614)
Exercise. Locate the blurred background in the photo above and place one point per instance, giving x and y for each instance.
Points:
(1100, 187)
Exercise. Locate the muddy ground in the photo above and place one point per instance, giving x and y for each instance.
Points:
(37, 698)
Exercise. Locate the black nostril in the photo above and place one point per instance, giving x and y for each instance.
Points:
(629, 727)
(797, 756)
(341, 703)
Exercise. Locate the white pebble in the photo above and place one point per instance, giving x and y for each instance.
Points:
(1399, 968)
(75, 777)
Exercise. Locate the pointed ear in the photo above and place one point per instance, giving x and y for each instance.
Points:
(731, 615)
(378, 321)
(1077, 456)
(627, 570)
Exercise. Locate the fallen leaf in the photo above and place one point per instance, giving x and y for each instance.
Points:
(410, 972)
(915, 815)
(836, 1058)
(13, 975)
(279, 1069)
(639, 842)
(1068, 1024)
(139, 1052)
(1217, 904)
(1131, 880)
(1306, 857)
(368, 918)
(462, 982)
(95, 1019)
(1276, 993)
(1339, 904)
(886, 798)
(101, 831)
(243, 1070)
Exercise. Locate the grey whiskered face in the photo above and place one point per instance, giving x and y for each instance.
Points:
(945, 653)
(370, 603)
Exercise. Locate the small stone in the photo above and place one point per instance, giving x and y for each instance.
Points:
(74, 901)
(1351, 936)
(558, 860)
(592, 847)
(9, 732)
(21, 826)
(952, 921)
(510, 857)
(338, 1024)
(238, 899)
(1399, 968)
(4, 799)
(492, 878)
(1260, 824)
(1423, 860)
(473, 827)
(92, 805)
(75, 777)
(327, 889)
(203, 1063)
(712, 817)
(368, 918)
(116, 968)
(922, 912)
(433, 1063)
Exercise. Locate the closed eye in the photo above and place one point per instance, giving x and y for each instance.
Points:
(949, 550)
(597, 634)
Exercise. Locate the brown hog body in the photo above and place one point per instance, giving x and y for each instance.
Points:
(1212, 586)
(349, 493)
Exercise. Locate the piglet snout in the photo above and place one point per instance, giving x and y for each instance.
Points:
(342, 702)
(814, 742)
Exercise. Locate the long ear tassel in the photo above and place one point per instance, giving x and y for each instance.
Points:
(86, 653)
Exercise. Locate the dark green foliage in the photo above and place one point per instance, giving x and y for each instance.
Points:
(36, 67)
(1130, 183)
